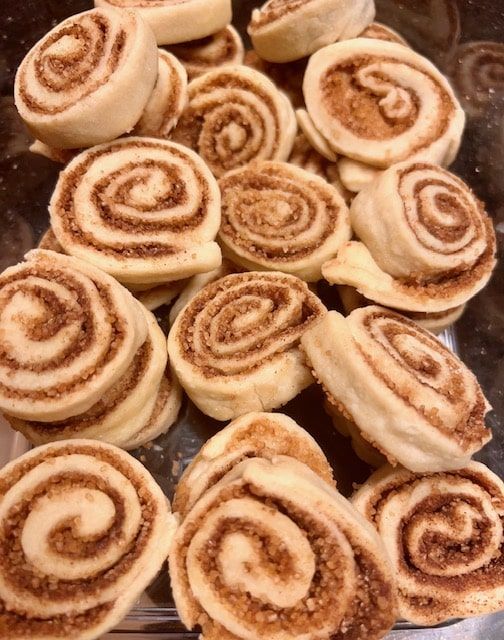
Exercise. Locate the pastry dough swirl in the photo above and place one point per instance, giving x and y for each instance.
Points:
(235, 115)
(234, 347)
(380, 103)
(88, 80)
(408, 394)
(68, 332)
(272, 551)
(255, 434)
(84, 530)
(144, 210)
(429, 245)
(443, 534)
(279, 217)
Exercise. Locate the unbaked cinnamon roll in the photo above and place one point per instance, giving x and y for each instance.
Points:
(427, 243)
(380, 103)
(123, 410)
(272, 551)
(379, 31)
(167, 100)
(236, 115)
(68, 332)
(84, 530)
(281, 218)
(178, 20)
(477, 71)
(408, 394)
(62, 156)
(234, 347)
(221, 49)
(257, 434)
(288, 77)
(443, 534)
(285, 30)
(88, 80)
(144, 210)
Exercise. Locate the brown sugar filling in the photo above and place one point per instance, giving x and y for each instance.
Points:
(275, 10)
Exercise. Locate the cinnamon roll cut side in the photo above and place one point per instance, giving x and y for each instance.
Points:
(85, 529)
(234, 347)
(279, 217)
(378, 31)
(443, 534)
(257, 434)
(175, 21)
(409, 395)
(88, 80)
(196, 283)
(288, 77)
(68, 332)
(142, 209)
(167, 100)
(236, 115)
(284, 31)
(299, 560)
(122, 410)
(314, 137)
(380, 103)
(220, 49)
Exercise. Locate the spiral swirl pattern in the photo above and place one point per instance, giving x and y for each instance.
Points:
(236, 115)
(443, 534)
(221, 49)
(167, 99)
(257, 434)
(178, 20)
(443, 241)
(478, 74)
(234, 347)
(87, 80)
(299, 561)
(144, 210)
(416, 401)
(279, 217)
(286, 30)
(68, 332)
(125, 409)
(380, 103)
(84, 530)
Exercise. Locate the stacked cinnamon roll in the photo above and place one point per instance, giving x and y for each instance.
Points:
(81, 357)
(268, 547)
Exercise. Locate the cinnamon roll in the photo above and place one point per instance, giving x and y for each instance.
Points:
(144, 210)
(88, 80)
(178, 20)
(378, 31)
(477, 71)
(167, 100)
(285, 30)
(236, 115)
(434, 322)
(380, 103)
(272, 551)
(52, 153)
(196, 283)
(220, 49)
(84, 530)
(262, 435)
(408, 394)
(124, 409)
(68, 332)
(428, 245)
(303, 155)
(355, 175)
(278, 217)
(443, 534)
(288, 77)
(234, 347)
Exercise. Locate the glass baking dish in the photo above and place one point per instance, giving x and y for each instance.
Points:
(436, 28)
